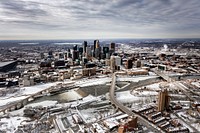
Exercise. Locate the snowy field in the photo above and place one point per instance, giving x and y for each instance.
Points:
(197, 84)
(91, 82)
(127, 97)
(134, 78)
(197, 126)
(11, 124)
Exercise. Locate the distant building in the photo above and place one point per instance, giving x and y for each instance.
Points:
(105, 50)
(162, 56)
(97, 128)
(59, 64)
(84, 47)
(98, 53)
(26, 81)
(80, 51)
(50, 53)
(115, 63)
(137, 72)
(107, 62)
(162, 67)
(112, 63)
(45, 64)
(129, 125)
(69, 55)
(132, 123)
(77, 119)
(111, 123)
(84, 60)
(42, 55)
(90, 65)
(65, 56)
(105, 53)
(118, 61)
(64, 75)
(121, 129)
(178, 130)
(61, 55)
(88, 52)
(7, 66)
(75, 55)
(96, 45)
(163, 100)
(138, 63)
(89, 71)
(112, 48)
(129, 64)
(75, 48)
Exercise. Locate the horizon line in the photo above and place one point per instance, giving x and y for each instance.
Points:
(88, 39)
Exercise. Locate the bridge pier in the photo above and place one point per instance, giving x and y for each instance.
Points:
(4, 111)
(30, 99)
(24, 102)
(19, 105)
(13, 108)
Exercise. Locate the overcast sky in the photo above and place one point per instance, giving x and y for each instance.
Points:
(91, 19)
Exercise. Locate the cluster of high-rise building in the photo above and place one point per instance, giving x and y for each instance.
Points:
(81, 54)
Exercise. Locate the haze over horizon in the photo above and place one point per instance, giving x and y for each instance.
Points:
(86, 19)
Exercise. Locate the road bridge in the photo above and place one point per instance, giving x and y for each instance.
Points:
(21, 103)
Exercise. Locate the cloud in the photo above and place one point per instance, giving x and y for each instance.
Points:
(20, 8)
(140, 18)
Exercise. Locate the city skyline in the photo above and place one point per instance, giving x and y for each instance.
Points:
(67, 19)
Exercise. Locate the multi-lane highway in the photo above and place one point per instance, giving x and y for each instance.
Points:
(126, 110)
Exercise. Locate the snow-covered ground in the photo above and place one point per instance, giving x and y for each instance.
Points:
(10, 124)
(197, 84)
(135, 78)
(11, 99)
(89, 115)
(91, 82)
(197, 126)
(16, 117)
(146, 93)
(124, 97)
(154, 87)
(127, 97)
(36, 88)
(43, 104)
(71, 95)
(152, 74)
(84, 100)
